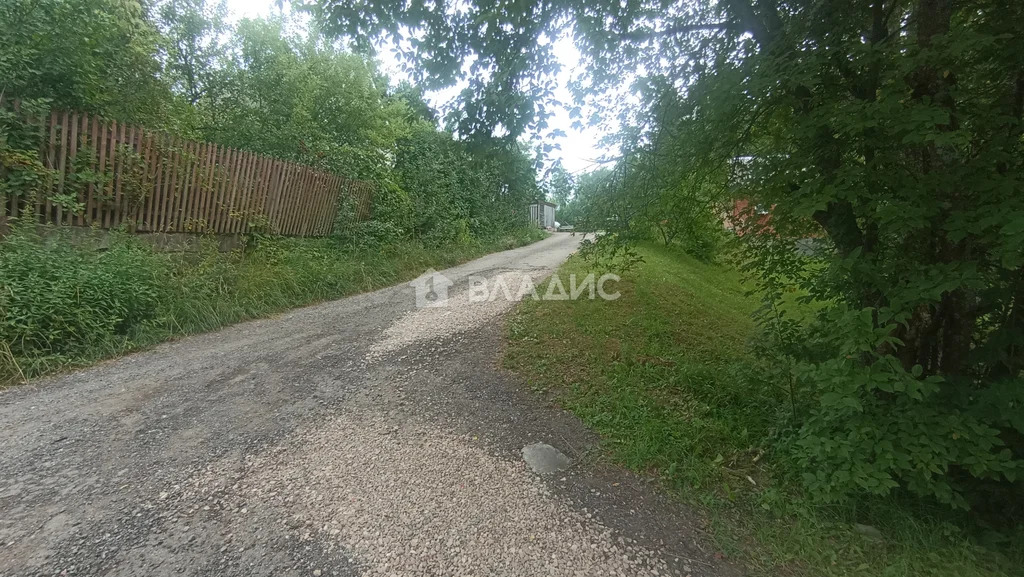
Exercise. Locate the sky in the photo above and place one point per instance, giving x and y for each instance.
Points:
(580, 149)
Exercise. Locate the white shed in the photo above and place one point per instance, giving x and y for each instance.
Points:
(543, 214)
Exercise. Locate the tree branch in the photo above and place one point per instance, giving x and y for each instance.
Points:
(675, 30)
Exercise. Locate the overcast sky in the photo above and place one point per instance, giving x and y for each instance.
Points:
(579, 149)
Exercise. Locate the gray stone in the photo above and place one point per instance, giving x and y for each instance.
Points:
(544, 459)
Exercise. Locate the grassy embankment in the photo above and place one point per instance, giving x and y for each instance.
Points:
(664, 375)
(63, 306)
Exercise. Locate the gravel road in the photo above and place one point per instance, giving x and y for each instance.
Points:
(363, 436)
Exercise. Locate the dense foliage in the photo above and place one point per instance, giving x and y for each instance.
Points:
(885, 140)
(262, 86)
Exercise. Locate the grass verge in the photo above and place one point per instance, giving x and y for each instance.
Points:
(663, 375)
(64, 306)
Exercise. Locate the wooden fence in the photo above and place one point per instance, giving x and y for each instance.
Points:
(108, 174)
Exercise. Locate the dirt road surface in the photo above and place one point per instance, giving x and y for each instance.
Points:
(363, 436)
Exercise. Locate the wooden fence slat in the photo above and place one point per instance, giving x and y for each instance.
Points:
(159, 167)
(170, 184)
(282, 196)
(116, 160)
(300, 204)
(181, 189)
(153, 158)
(145, 192)
(192, 197)
(134, 199)
(226, 175)
(269, 196)
(303, 212)
(37, 204)
(229, 194)
(151, 182)
(237, 224)
(220, 207)
(243, 191)
(182, 174)
(325, 195)
(108, 169)
(89, 147)
(259, 206)
(70, 215)
(51, 163)
(130, 198)
(187, 165)
(335, 200)
(101, 169)
(198, 174)
(222, 177)
(330, 186)
(83, 191)
(311, 203)
(274, 196)
(124, 148)
(328, 192)
(204, 189)
(211, 175)
(315, 205)
(177, 181)
(285, 197)
(236, 192)
(201, 170)
(72, 154)
(307, 203)
(172, 157)
(315, 223)
(117, 166)
(297, 198)
(246, 193)
(255, 190)
(162, 177)
(66, 118)
(288, 199)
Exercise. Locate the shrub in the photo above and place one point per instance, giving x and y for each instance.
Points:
(873, 426)
(58, 302)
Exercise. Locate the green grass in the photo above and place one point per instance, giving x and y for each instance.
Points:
(64, 306)
(663, 375)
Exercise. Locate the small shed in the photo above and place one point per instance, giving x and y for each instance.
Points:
(542, 214)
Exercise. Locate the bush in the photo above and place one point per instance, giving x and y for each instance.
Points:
(873, 426)
(58, 302)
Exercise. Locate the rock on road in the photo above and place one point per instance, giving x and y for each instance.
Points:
(363, 436)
